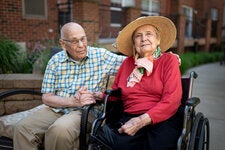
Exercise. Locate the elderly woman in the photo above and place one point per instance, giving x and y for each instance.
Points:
(150, 83)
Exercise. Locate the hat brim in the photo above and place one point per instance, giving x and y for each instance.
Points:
(165, 26)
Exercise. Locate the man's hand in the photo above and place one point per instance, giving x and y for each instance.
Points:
(178, 57)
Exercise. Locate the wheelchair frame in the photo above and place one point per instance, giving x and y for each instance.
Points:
(195, 132)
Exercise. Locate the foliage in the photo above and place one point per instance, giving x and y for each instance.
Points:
(13, 60)
(191, 59)
(9, 56)
(39, 56)
(41, 63)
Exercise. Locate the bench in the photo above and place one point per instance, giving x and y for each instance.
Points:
(7, 122)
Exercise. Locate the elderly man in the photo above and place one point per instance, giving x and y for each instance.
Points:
(77, 68)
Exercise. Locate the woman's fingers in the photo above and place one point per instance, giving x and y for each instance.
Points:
(131, 126)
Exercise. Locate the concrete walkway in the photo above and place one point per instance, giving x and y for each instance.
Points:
(210, 88)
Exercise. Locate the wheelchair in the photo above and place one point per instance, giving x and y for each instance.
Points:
(195, 130)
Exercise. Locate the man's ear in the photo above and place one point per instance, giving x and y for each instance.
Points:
(62, 44)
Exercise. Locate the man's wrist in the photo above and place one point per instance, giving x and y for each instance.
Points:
(74, 101)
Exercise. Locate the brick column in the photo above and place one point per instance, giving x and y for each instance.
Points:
(87, 14)
(181, 34)
(130, 14)
(208, 34)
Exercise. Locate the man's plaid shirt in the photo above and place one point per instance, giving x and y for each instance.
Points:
(64, 77)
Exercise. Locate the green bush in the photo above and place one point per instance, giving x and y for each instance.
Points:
(189, 59)
(42, 60)
(13, 60)
(10, 56)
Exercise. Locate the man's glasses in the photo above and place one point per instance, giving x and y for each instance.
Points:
(76, 41)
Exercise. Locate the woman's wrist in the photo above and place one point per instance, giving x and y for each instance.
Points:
(98, 95)
(145, 119)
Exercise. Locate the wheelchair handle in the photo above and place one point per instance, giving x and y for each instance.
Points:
(193, 74)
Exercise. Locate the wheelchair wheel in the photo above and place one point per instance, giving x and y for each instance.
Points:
(96, 146)
(194, 131)
(203, 135)
(93, 147)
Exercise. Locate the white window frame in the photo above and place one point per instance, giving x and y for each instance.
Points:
(150, 11)
(119, 10)
(38, 16)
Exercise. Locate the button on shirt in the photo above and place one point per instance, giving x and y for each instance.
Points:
(64, 77)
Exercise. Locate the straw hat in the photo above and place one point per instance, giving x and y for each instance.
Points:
(166, 27)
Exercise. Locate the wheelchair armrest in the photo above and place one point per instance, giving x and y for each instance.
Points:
(194, 101)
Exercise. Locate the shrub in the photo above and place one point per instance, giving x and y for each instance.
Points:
(9, 56)
(41, 62)
(189, 59)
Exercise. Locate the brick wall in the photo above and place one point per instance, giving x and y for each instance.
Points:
(95, 17)
(19, 102)
(28, 30)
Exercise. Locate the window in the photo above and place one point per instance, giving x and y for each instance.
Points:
(64, 12)
(34, 9)
(116, 10)
(188, 12)
(214, 14)
(116, 13)
(150, 7)
(214, 17)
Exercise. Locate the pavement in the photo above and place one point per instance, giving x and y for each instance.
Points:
(210, 88)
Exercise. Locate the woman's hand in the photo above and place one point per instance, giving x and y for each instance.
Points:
(135, 124)
(98, 95)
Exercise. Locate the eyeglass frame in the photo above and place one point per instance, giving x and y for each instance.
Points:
(76, 41)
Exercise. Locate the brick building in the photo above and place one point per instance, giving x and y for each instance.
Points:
(199, 23)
